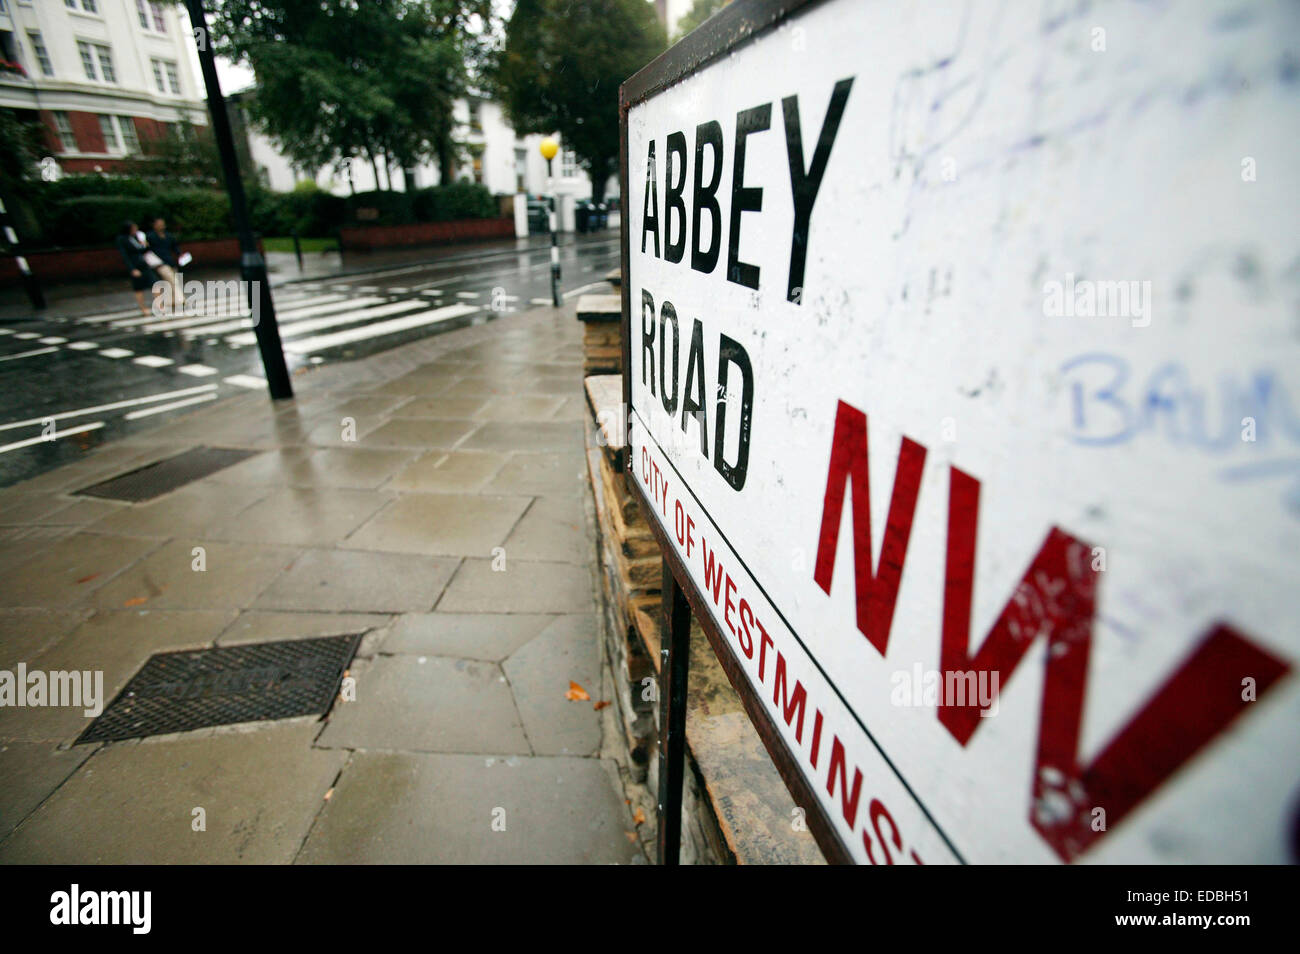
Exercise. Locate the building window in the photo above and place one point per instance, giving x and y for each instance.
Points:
(475, 116)
(158, 76)
(568, 164)
(166, 76)
(108, 127)
(150, 16)
(97, 53)
(86, 6)
(173, 78)
(87, 60)
(67, 138)
(42, 54)
(130, 140)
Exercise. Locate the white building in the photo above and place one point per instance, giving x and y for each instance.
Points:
(498, 158)
(103, 76)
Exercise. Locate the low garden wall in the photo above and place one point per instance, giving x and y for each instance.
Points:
(77, 264)
(370, 238)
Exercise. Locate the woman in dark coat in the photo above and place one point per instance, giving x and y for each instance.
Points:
(133, 246)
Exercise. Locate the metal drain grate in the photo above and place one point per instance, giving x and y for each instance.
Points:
(154, 480)
(177, 692)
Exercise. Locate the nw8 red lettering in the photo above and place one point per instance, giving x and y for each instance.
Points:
(762, 649)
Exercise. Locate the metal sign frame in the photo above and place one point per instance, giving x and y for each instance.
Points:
(736, 25)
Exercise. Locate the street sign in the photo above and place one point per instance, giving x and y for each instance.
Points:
(964, 384)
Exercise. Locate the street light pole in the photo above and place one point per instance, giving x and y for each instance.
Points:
(252, 265)
(548, 148)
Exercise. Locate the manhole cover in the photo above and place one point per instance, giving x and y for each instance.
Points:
(156, 479)
(177, 692)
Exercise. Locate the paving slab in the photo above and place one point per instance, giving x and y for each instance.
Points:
(526, 436)
(232, 576)
(25, 633)
(68, 571)
(554, 811)
(546, 473)
(449, 471)
(354, 581)
(348, 466)
(18, 510)
(486, 636)
(447, 408)
(428, 704)
(266, 626)
(523, 587)
(302, 516)
(187, 511)
(420, 433)
(554, 529)
(447, 524)
(29, 772)
(540, 671)
(528, 408)
(260, 791)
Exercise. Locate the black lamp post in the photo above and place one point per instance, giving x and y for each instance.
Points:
(252, 266)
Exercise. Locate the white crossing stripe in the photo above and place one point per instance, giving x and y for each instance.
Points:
(53, 340)
(130, 402)
(297, 328)
(367, 289)
(27, 354)
(302, 304)
(82, 345)
(405, 323)
(57, 434)
(153, 361)
(197, 370)
(135, 415)
(26, 335)
(110, 316)
(6, 331)
(398, 290)
(246, 381)
(116, 353)
(176, 323)
(539, 301)
(466, 294)
(432, 292)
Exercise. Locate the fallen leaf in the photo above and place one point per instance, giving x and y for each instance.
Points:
(639, 817)
(87, 579)
(136, 601)
(329, 794)
(576, 693)
(600, 705)
(631, 836)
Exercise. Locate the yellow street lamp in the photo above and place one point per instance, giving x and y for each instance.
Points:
(548, 147)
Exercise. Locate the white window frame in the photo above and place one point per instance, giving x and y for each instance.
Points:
(108, 125)
(88, 63)
(130, 137)
(104, 56)
(40, 51)
(173, 71)
(63, 129)
(568, 164)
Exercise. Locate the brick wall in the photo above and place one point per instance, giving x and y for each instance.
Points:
(368, 238)
(91, 263)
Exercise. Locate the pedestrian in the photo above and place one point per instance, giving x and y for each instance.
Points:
(168, 250)
(134, 247)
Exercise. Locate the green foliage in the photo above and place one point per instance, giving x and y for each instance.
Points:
(563, 63)
(393, 208)
(186, 155)
(338, 78)
(449, 203)
(92, 219)
(74, 187)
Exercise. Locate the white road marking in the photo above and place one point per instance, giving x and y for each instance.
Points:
(6, 331)
(246, 381)
(432, 292)
(367, 289)
(583, 290)
(135, 415)
(152, 361)
(27, 335)
(398, 290)
(176, 323)
(197, 370)
(43, 440)
(131, 402)
(540, 301)
(53, 340)
(466, 294)
(317, 324)
(27, 354)
(383, 328)
(111, 316)
(116, 353)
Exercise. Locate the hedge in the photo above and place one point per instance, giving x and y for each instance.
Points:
(89, 210)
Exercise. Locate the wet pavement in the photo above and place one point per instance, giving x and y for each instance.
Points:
(92, 368)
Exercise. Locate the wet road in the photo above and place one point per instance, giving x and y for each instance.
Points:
(69, 384)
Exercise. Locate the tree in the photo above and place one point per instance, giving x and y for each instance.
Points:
(183, 153)
(561, 68)
(700, 11)
(341, 78)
